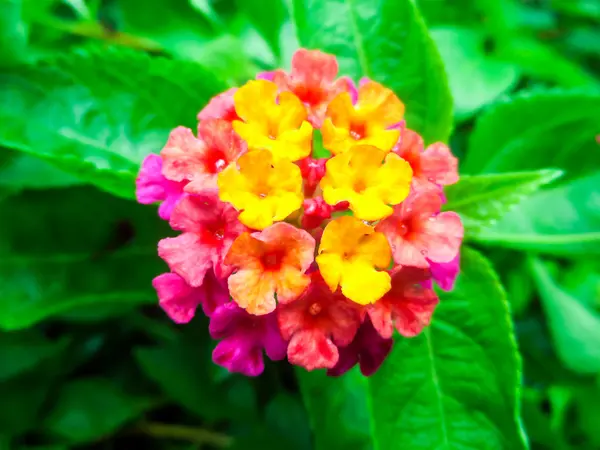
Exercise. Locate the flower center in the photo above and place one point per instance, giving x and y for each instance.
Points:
(360, 185)
(215, 161)
(315, 308)
(272, 260)
(358, 131)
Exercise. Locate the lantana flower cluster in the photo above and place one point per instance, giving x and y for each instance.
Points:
(315, 259)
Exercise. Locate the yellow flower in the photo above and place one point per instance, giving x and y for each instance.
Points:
(367, 122)
(349, 254)
(264, 190)
(368, 179)
(274, 123)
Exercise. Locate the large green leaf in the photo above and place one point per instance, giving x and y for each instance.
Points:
(562, 221)
(73, 248)
(575, 328)
(482, 199)
(455, 386)
(538, 129)
(475, 78)
(387, 41)
(101, 111)
(91, 408)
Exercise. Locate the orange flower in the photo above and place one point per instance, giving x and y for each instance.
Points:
(277, 123)
(368, 122)
(268, 263)
(349, 254)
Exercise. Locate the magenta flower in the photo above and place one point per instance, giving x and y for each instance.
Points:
(368, 349)
(243, 338)
(153, 187)
(445, 274)
(209, 228)
(179, 300)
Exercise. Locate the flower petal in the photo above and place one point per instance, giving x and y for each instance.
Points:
(187, 256)
(312, 350)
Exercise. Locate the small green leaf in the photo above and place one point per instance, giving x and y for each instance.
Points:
(268, 25)
(455, 386)
(481, 199)
(575, 328)
(562, 221)
(475, 79)
(101, 111)
(537, 129)
(286, 416)
(388, 42)
(89, 409)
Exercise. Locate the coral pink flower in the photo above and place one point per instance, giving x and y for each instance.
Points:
(408, 306)
(209, 228)
(432, 167)
(220, 107)
(179, 300)
(419, 233)
(201, 159)
(269, 262)
(316, 324)
(368, 349)
(313, 81)
(244, 337)
(152, 187)
(445, 274)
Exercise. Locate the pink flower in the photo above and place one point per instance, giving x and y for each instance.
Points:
(179, 300)
(408, 305)
(200, 160)
(313, 81)
(243, 338)
(316, 324)
(368, 349)
(432, 167)
(209, 228)
(220, 107)
(152, 186)
(418, 233)
(445, 274)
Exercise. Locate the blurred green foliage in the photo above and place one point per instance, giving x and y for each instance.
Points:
(87, 360)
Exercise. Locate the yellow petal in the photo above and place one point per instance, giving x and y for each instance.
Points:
(331, 267)
(362, 284)
(253, 100)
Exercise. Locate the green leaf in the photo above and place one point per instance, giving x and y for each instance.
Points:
(268, 25)
(21, 171)
(455, 386)
(286, 416)
(101, 111)
(20, 352)
(338, 409)
(481, 199)
(563, 221)
(388, 42)
(537, 129)
(13, 33)
(72, 248)
(475, 78)
(183, 371)
(575, 328)
(582, 280)
(539, 60)
(89, 409)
